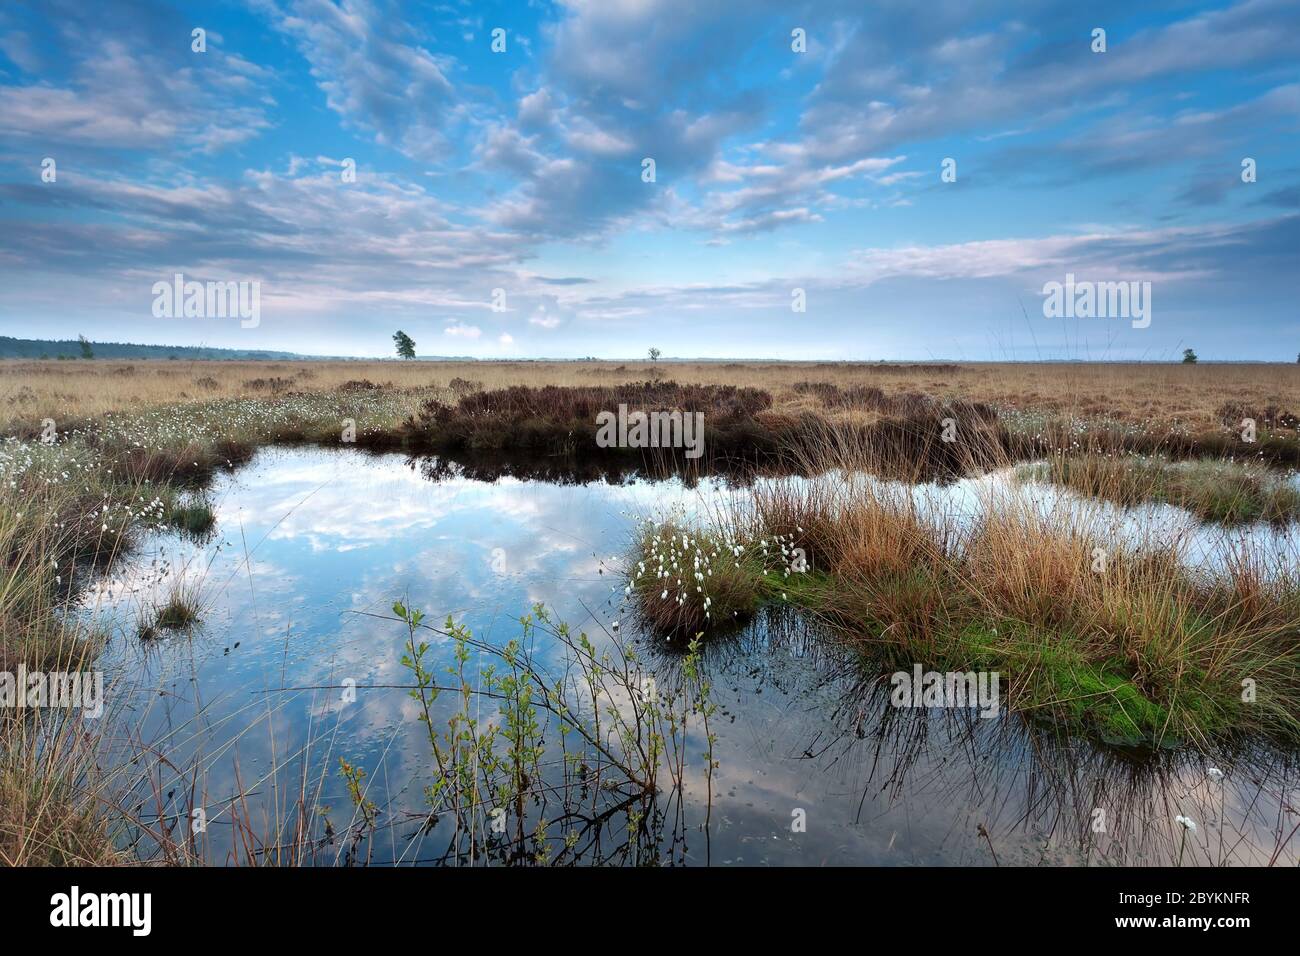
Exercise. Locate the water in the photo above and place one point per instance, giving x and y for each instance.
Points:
(813, 767)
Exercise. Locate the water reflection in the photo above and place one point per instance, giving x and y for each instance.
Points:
(813, 766)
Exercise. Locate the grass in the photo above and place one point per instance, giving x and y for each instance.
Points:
(1223, 491)
(1136, 648)
(179, 613)
(52, 809)
(1137, 394)
(1040, 409)
(193, 518)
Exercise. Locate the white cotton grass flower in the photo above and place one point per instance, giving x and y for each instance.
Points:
(1187, 823)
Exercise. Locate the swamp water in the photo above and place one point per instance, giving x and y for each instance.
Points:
(313, 546)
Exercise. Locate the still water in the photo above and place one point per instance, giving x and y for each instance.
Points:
(813, 766)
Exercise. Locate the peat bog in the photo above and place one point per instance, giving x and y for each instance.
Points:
(453, 551)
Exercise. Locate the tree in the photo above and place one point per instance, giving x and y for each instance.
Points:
(654, 355)
(405, 345)
(86, 351)
(1189, 357)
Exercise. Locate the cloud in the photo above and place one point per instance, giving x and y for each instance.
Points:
(523, 171)
(1134, 140)
(374, 71)
(89, 83)
(622, 81)
(1037, 68)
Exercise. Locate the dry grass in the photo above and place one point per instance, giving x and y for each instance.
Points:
(1135, 394)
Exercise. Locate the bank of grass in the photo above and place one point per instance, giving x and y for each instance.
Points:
(1229, 492)
(1025, 410)
(58, 519)
(553, 420)
(1037, 433)
(1155, 397)
(1125, 643)
(740, 424)
(69, 507)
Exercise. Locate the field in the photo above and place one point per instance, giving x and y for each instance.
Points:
(1148, 652)
(1139, 394)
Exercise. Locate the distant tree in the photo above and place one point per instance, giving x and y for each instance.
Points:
(1297, 358)
(405, 345)
(1189, 357)
(86, 351)
(654, 355)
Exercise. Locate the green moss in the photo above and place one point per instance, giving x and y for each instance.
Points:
(1103, 699)
(983, 644)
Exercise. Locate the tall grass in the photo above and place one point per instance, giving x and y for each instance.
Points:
(53, 810)
(1123, 638)
(1225, 491)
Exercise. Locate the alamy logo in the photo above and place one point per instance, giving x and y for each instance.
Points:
(651, 430)
(952, 689)
(1098, 300)
(58, 689)
(208, 300)
(103, 909)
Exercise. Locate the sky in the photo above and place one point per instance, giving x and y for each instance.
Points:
(831, 180)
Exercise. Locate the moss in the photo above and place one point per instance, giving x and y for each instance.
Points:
(982, 642)
(1098, 698)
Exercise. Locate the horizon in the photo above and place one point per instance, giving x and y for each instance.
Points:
(501, 210)
(272, 355)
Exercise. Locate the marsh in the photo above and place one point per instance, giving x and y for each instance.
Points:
(313, 546)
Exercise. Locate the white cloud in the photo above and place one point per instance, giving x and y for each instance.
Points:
(373, 71)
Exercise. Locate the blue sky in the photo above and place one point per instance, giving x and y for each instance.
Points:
(775, 170)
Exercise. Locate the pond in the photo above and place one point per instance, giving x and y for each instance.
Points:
(253, 711)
